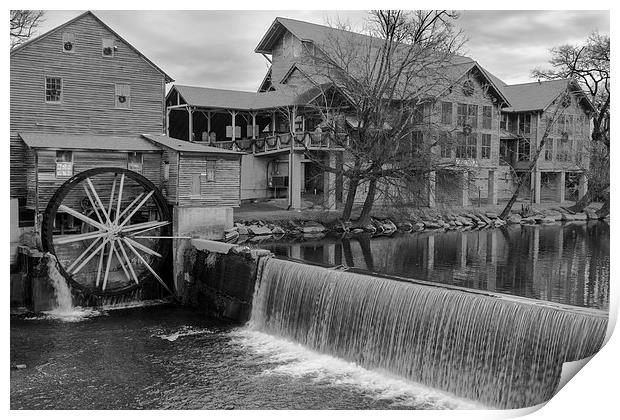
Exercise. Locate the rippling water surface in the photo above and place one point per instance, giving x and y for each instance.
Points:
(170, 357)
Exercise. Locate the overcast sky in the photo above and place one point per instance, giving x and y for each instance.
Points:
(216, 48)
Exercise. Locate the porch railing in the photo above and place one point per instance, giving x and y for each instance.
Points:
(309, 140)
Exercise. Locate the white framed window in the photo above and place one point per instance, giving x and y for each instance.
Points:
(53, 89)
(134, 161)
(122, 95)
(64, 164)
(107, 47)
(485, 149)
(68, 42)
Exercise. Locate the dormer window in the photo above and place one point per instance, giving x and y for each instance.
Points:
(122, 95)
(107, 47)
(68, 42)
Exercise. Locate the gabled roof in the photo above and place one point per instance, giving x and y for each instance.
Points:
(239, 100)
(537, 96)
(87, 142)
(186, 146)
(304, 31)
(89, 13)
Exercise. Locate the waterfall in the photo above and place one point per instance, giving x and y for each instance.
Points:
(62, 292)
(503, 352)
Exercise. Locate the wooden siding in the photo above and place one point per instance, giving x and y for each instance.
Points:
(223, 192)
(170, 186)
(49, 182)
(88, 90)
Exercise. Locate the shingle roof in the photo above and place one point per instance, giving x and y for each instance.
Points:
(186, 146)
(240, 100)
(87, 142)
(534, 96)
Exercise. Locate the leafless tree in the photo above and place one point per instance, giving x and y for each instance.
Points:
(387, 84)
(24, 24)
(588, 63)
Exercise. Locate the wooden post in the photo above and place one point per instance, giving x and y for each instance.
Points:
(208, 124)
(167, 121)
(233, 114)
(273, 123)
(190, 123)
(254, 125)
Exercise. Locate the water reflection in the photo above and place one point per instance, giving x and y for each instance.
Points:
(566, 263)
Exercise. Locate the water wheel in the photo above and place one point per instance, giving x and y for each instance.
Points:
(108, 228)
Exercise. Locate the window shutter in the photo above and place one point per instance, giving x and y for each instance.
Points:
(107, 47)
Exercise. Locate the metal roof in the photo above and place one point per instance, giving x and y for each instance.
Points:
(56, 29)
(239, 100)
(87, 142)
(186, 146)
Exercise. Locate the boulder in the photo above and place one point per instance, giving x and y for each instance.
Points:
(491, 215)
(580, 216)
(528, 221)
(243, 230)
(370, 229)
(514, 218)
(357, 231)
(591, 214)
(547, 220)
(277, 230)
(419, 225)
(312, 227)
(258, 230)
(432, 224)
(405, 226)
(499, 222)
(567, 217)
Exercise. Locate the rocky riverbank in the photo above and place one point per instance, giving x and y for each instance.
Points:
(417, 220)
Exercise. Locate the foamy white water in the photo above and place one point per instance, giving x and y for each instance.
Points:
(293, 359)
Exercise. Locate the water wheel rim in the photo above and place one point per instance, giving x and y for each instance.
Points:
(55, 203)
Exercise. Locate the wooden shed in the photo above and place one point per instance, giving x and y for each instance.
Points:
(196, 175)
(51, 159)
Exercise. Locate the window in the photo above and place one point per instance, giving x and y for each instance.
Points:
(417, 140)
(472, 146)
(524, 123)
(561, 124)
(211, 165)
(445, 143)
(446, 113)
(134, 162)
(64, 164)
(166, 170)
(53, 89)
(107, 47)
(472, 115)
(195, 191)
(487, 117)
(122, 96)
(549, 150)
(504, 122)
(461, 114)
(68, 42)
(569, 123)
(485, 150)
(523, 150)
(461, 146)
(466, 146)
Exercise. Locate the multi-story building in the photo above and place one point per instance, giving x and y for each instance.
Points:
(496, 128)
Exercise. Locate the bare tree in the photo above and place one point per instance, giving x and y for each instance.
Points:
(386, 83)
(558, 112)
(24, 24)
(589, 65)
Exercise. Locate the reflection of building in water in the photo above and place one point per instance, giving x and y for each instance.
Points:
(566, 264)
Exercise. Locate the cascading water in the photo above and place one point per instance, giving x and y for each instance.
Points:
(503, 352)
(62, 292)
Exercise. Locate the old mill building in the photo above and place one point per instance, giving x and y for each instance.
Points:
(83, 97)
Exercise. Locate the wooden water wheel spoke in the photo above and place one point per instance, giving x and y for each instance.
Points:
(83, 254)
(98, 200)
(120, 199)
(146, 264)
(135, 230)
(67, 239)
(90, 257)
(95, 258)
(128, 261)
(142, 247)
(82, 217)
(118, 217)
(138, 207)
(92, 204)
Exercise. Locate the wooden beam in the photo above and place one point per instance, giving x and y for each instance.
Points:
(190, 128)
(253, 125)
